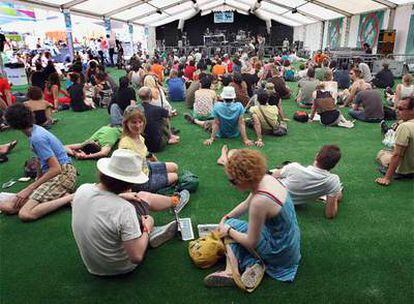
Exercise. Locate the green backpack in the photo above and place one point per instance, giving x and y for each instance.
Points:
(187, 180)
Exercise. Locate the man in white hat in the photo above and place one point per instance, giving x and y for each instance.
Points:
(110, 236)
(228, 119)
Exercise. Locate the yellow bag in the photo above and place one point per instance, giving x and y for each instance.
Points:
(206, 251)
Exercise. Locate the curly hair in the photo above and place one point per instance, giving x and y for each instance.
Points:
(246, 166)
(19, 117)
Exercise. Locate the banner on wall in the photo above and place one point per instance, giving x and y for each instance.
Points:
(11, 12)
(369, 27)
(335, 32)
(409, 49)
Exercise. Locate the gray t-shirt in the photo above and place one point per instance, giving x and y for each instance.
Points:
(307, 87)
(371, 102)
(306, 184)
(101, 221)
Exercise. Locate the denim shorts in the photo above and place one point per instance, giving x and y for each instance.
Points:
(157, 178)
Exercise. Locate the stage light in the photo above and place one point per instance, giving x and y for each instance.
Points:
(294, 11)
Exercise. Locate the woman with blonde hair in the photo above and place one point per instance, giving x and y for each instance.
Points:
(403, 91)
(270, 240)
(160, 174)
(158, 95)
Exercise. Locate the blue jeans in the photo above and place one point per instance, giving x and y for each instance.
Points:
(360, 115)
(116, 115)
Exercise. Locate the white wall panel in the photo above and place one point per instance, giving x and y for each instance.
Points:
(313, 36)
(353, 31)
(401, 25)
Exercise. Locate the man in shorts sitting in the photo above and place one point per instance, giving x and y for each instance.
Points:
(228, 119)
(307, 184)
(400, 162)
(98, 145)
(111, 225)
(56, 177)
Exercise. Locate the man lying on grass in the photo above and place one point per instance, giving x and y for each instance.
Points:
(56, 177)
(307, 184)
(98, 145)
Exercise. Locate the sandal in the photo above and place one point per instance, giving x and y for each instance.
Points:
(11, 146)
(219, 279)
(252, 277)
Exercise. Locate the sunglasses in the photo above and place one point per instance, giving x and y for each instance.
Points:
(232, 181)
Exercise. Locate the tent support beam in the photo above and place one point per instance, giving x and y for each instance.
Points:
(289, 8)
(73, 3)
(386, 3)
(40, 4)
(286, 17)
(160, 8)
(331, 8)
(126, 7)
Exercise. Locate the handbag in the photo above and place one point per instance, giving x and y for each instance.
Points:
(301, 116)
(277, 130)
(31, 167)
(206, 251)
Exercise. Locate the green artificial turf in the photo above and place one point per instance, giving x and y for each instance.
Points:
(365, 255)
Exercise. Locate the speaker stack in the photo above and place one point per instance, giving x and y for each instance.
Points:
(386, 41)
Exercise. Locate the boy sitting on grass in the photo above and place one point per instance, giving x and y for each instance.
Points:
(56, 177)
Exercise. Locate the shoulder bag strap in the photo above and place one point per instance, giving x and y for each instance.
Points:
(265, 118)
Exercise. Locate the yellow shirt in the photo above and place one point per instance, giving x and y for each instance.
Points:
(271, 113)
(404, 136)
(138, 147)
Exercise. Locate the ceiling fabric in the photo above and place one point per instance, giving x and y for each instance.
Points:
(159, 12)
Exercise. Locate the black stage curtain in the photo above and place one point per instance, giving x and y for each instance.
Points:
(196, 27)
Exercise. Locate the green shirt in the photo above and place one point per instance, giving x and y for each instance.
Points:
(106, 136)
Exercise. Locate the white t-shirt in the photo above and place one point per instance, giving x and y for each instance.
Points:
(101, 221)
(306, 184)
(366, 72)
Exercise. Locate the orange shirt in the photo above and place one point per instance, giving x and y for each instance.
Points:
(218, 70)
(319, 58)
(158, 69)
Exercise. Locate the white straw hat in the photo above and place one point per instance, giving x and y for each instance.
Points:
(228, 93)
(123, 165)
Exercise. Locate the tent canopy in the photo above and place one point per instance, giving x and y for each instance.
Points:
(159, 12)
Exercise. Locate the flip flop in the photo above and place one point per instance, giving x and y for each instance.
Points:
(252, 277)
(217, 279)
(12, 145)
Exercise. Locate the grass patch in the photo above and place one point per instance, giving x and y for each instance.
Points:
(362, 256)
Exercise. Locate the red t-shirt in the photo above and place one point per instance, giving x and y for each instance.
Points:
(4, 85)
(189, 71)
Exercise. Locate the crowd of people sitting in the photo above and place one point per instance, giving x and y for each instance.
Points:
(224, 95)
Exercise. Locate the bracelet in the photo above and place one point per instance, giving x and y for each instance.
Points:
(228, 231)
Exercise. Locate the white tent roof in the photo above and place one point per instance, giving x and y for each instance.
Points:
(159, 12)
